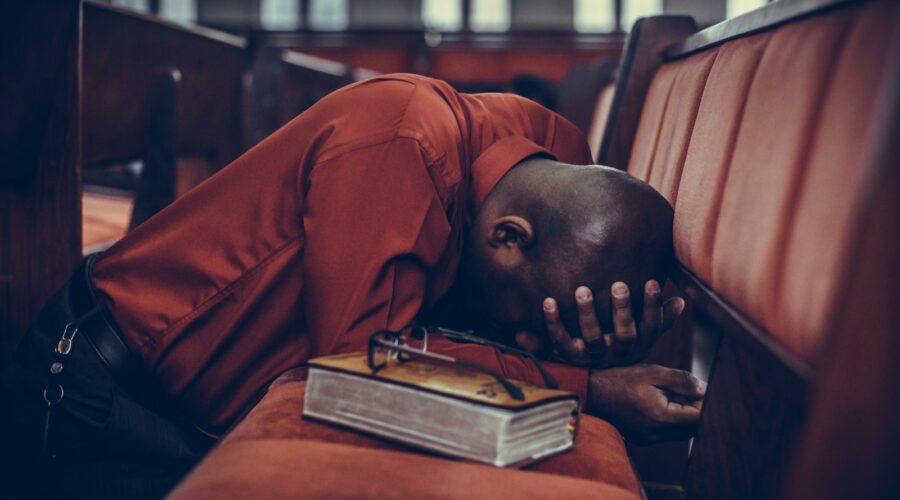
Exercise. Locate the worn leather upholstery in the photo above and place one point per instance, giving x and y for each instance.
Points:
(757, 143)
(273, 453)
(600, 118)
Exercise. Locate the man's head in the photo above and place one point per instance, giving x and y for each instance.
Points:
(549, 227)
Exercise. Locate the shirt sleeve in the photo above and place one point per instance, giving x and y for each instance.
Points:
(374, 227)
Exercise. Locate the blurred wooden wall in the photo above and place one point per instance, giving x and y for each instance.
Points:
(464, 58)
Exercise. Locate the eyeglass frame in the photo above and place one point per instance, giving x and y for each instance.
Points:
(391, 340)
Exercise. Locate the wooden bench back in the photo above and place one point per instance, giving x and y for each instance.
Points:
(40, 155)
(282, 83)
(126, 54)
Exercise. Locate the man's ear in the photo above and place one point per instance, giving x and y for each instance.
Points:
(511, 231)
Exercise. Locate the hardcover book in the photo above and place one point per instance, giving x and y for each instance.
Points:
(446, 409)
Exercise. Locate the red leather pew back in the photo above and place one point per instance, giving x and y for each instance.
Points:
(758, 143)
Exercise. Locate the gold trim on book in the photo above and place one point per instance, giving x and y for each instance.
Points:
(469, 385)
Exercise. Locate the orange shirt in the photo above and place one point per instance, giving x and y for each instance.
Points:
(348, 219)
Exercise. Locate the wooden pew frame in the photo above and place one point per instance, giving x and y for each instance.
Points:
(40, 159)
(642, 56)
(282, 83)
(209, 105)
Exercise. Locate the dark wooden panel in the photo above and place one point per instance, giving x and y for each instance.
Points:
(753, 412)
(578, 92)
(158, 179)
(769, 16)
(282, 83)
(40, 206)
(261, 102)
(754, 407)
(125, 56)
(643, 55)
(306, 79)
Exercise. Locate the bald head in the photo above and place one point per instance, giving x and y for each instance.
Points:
(549, 227)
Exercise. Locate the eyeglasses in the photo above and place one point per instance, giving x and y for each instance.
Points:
(411, 342)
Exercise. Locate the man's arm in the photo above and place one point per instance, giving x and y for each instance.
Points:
(374, 227)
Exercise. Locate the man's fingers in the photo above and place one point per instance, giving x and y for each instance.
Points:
(681, 413)
(624, 330)
(572, 350)
(671, 311)
(587, 318)
(680, 383)
(555, 328)
(652, 317)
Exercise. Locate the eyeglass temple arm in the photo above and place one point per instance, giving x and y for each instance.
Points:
(513, 391)
(549, 380)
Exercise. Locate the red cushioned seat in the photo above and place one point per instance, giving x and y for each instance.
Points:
(274, 453)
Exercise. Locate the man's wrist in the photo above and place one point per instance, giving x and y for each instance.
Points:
(571, 378)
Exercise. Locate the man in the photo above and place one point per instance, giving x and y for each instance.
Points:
(351, 218)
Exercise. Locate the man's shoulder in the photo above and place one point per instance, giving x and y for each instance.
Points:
(393, 84)
(395, 100)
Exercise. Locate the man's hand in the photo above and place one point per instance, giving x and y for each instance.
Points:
(628, 343)
(647, 403)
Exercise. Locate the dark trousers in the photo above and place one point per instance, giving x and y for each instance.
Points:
(102, 441)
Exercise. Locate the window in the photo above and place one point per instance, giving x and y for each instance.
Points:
(442, 15)
(141, 5)
(490, 15)
(329, 15)
(182, 11)
(632, 10)
(738, 7)
(595, 16)
(279, 14)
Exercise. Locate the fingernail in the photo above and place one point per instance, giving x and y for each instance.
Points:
(549, 306)
(701, 386)
(652, 287)
(584, 297)
(620, 291)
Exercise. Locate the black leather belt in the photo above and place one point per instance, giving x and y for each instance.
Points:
(95, 322)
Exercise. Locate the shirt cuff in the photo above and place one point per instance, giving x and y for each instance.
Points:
(496, 161)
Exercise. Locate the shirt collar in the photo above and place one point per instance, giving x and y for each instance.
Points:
(494, 162)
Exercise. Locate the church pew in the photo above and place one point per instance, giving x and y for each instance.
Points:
(282, 83)
(40, 157)
(166, 94)
(641, 57)
(761, 132)
(583, 84)
(125, 55)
